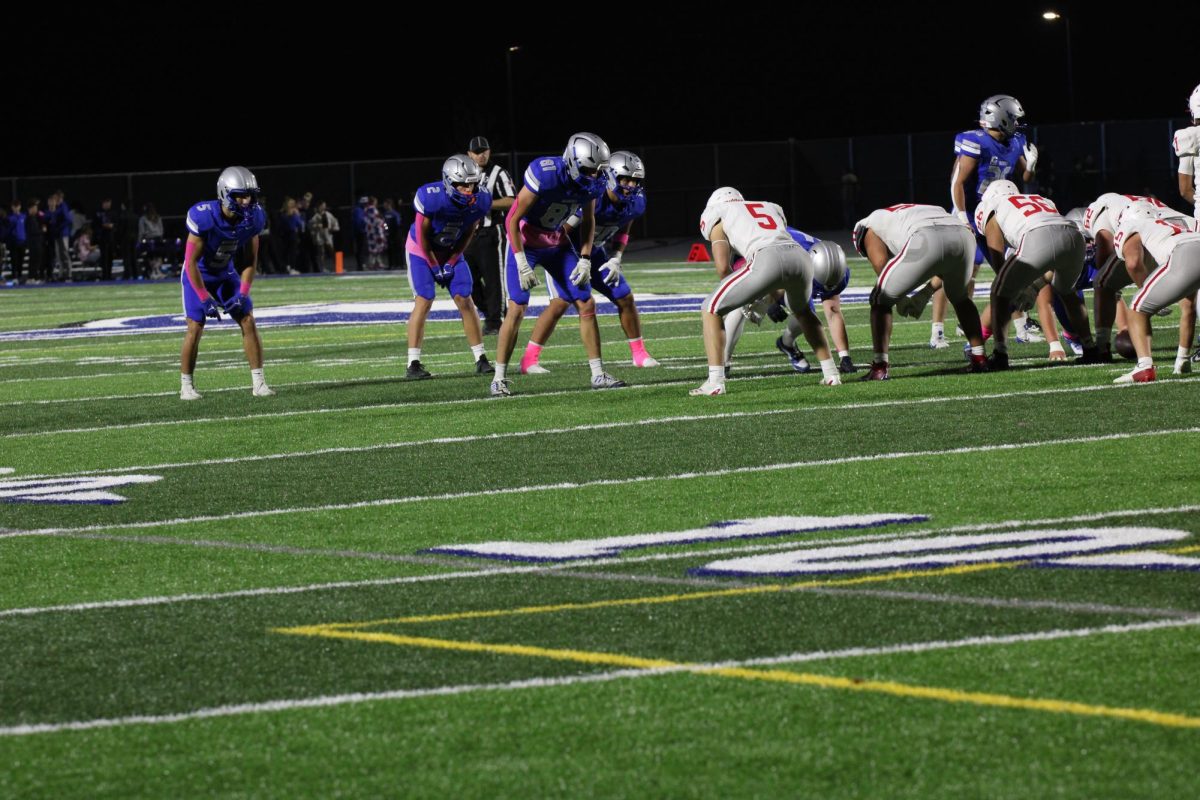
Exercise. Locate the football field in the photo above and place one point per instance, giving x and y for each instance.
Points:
(944, 585)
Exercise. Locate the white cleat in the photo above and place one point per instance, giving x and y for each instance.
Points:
(708, 389)
(832, 380)
(648, 361)
(1030, 335)
(189, 393)
(606, 381)
(264, 391)
(534, 369)
(938, 342)
(500, 389)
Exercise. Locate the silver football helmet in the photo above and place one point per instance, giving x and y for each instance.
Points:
(586, 151)
(829, 262)
(1001, 112)
(624, 164)
(461, 169)
(235, 182)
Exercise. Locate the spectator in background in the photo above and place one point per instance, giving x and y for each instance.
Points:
(150, 234)
(89, 253)
(268, 255)
(297, 230)
(14, 239)
(321, 228)
(35, 241)
(377, 245)
(4, 224)
(58, 229)
(306, 254)
(284, 236)
(395, 228)
(484, 252)
(359, 221)
(105, 229)
(127, 235)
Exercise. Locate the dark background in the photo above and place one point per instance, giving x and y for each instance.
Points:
(129, 87)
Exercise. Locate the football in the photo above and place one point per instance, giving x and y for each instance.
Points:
(1124, 346)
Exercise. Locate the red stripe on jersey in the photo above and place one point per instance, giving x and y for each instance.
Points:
(1141, 295)
(888, 267)
(724, 287)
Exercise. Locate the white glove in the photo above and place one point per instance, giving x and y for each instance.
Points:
(1187, 141)
(612, 270)
(582, 272)
(525, 272)
(1031, 156)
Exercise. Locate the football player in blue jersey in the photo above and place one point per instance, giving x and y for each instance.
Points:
(218, 230)
(448, 212)
(621, 204)
(994, 151)
(555, 189)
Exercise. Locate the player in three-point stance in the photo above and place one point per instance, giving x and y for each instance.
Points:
(218, 230)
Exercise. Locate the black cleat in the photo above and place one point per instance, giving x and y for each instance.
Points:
(997, 362)
(484, 367)
(416, 372)
(977, 363)
(847, 366)
(1094, 355)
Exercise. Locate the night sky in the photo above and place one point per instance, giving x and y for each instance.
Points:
(158, 88)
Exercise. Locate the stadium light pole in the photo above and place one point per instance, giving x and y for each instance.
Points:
(512, 112)
(1054, 16)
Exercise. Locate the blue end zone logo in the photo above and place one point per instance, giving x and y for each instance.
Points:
(69, 491)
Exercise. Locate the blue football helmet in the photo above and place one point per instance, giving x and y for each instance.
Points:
(625, 164)
(586, 151)
(235, 183)
(461, 169)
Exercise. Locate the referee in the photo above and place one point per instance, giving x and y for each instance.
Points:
(487, 249)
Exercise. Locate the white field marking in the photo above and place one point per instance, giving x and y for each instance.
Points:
(511, 490)
(1003, 602)
(326, 701)
(528, 433)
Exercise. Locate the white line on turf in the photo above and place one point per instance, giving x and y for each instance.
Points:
(528, 489)
(327, 701)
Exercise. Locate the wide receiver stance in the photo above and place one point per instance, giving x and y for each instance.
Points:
(217, 231)
(758, 230)
(907, 245)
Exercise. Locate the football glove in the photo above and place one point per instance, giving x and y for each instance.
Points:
(525, 272)
(611, 270)
(1031, 156)
(211, 309)
(582, 272)
(238, 305)
(777, 311)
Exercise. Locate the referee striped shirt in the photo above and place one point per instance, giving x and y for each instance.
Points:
(499, 185)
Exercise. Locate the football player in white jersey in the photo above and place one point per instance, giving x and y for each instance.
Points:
(1187, 147)
(1100, 223)
(757, 230)
(907, 245)
(1162, 257)
(1045, 241)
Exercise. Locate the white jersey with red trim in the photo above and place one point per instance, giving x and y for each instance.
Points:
(896, 224)
(1017, 214)
(1103, 214)
(749, 225)
(1159, 236)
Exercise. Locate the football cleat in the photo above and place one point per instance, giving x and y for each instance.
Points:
(416, 372)
(708, 389)
(878, 372)
(797, 359)
(1182, 367)
(648, 361)
(997, 362)
(1165, 311)
(1029, 334)
(606, 381)
(263, 390)
(500, 389)
(534, 369)
(484, 367)
(1094, 355)
(846, 366)
(189, 393)
(938, 342)
(1137, 376)
(832, 380)
(977, 364)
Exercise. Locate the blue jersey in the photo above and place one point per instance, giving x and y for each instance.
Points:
(819, 292)
(558, 196)
(997, 160)
(222, 237)
(611, 218)
(451, 222)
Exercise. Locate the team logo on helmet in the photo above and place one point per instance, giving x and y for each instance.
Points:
(586, 158)
(1001, 112)
(461, 170)
(233, 184)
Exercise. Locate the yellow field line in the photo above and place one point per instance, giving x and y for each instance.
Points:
(891, 688)
(1181, 550)
(674, 598)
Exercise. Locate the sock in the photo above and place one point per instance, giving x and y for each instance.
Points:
(977, 351)
(597, 367)
(533, 351)
(789, 338)
(1104, 338)
(938, 330)
(716, 375)
(185, 381)
(1145, 363)
(637, 347)
(1021, 321)
(256, 377)
(501, 371)
(843, 353)
(828, 368)
(477, 351)
(986, 331)
(414, 354)
(880, 358)
(1181, 352)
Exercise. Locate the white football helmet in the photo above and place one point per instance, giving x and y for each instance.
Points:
(997, 189)
(726, 194)
(1001, 112)
(1138, 210)
(1194, 104)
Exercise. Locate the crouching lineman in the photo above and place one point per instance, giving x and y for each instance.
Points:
(773, 261)
(218, 230)
(555, 188)
(1045, 242)
(1145, 240)
(616, 210)
(448, 212)
(907, 245)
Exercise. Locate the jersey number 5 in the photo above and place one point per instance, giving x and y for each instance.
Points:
(765, 221)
